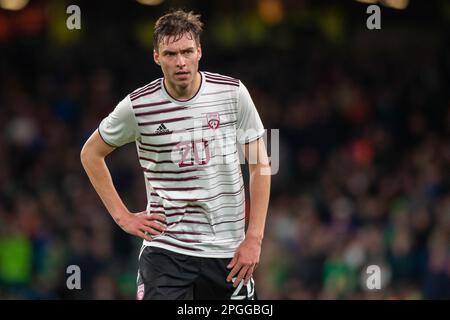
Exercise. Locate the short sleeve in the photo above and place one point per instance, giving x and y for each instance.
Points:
(120, 126)
(249, 124)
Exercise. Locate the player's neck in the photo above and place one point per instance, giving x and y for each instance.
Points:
(184, 92)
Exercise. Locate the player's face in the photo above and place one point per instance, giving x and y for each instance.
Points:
(178, 59)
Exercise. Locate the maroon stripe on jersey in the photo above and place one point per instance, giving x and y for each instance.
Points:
(159, 145)
(185, 232)
(174, 214)
(172, 179)
(220, 77)
(199, 199)
(167, 171)
(221, 82)
(187, 221)
(172, 208)
(149, 92)
(156, 211)
(146, 86)
(194, 212)
(143, 105)
(134, 95)
(176, 245)
(155, 161)
(222, 125)
(137, 91)
(163, 121)
(149, 88)
(229, 221)
(145, 93)
(153, 150)
(179, 189)
(160, 111)
(182, 213)
(151, 84)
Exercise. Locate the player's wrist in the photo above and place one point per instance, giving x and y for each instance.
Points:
(121, 216)
(254, 236)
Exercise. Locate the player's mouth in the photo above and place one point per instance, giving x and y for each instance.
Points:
(182, 74)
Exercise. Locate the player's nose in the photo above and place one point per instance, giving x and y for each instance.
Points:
(180, 60)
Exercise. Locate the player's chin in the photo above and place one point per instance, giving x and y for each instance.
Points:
(183, 82)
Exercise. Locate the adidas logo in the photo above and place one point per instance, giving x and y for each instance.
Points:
(162, 129)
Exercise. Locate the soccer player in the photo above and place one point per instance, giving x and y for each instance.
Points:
(187, 127)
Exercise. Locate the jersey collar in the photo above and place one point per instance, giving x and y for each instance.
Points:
(183, 102)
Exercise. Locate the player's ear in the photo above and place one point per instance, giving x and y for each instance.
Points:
(199, 52)
(156, 57)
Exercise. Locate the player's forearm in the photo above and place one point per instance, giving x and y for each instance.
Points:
(101, 180)
(259, 201)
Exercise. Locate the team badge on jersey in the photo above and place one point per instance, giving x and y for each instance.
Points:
(213, 120)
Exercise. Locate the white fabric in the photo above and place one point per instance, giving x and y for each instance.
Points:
(188, 153)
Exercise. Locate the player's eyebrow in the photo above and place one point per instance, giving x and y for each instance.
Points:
(167, 51)
(187, 49)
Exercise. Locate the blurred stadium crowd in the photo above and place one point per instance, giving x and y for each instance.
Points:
(364, 123)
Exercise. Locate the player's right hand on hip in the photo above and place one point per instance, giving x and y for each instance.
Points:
(143, 225)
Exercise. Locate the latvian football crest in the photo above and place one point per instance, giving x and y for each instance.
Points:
(213, 120)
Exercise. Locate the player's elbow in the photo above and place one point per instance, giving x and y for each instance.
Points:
(87, 154)
(84, 154)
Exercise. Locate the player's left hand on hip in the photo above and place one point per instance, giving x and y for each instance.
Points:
(244, 262)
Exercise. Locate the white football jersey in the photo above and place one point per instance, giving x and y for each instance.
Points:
(189, 158)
